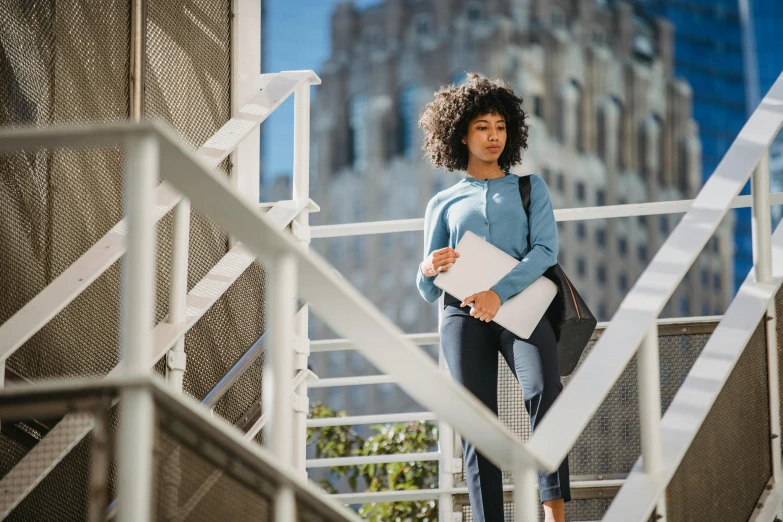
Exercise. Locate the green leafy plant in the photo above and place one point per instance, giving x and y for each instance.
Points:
(344, 441)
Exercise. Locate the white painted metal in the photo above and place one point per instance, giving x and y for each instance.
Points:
(336, 345)
(285, 505)
(762, 256)
(388, 418)
(301, 196)
(245, 84)
(39, 461)
(347, 311)
(699, 391)
(373, 459)
(353, 381)
(564, 214)
(245, 121)
(425, 339)
(74, 279)
(279, 368)
(610, 355)
(138, 297)
(649, 386)
(526, 498)
(178, 290)
(433, 494)
(446, 467)
(766, 507)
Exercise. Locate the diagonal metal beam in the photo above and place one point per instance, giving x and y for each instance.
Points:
(75, 279)
(33, 468)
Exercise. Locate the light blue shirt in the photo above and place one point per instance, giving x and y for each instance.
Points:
(492, 209)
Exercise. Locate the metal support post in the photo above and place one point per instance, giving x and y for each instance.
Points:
(446, 448)
(301, 192)
(99, 476)
(137, 57)
(762, 261)
(277, 382)
(649, 382)
(137, 424)
(526, 497)
(285, 505)
(176, 358)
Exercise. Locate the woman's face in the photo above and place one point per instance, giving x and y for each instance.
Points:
(486, 137)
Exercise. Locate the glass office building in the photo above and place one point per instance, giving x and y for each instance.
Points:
(709, 54)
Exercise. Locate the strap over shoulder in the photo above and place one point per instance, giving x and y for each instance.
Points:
(524, 193)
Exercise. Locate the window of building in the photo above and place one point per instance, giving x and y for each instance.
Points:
(600, 132)
(603, 314)
(598, 35)
(473, 11)
(684, 306)
(716, 281)
(600, 274)
(422, 24)
(406, 119)
(622, 282)
(580, 191)
(642, 253)
(581, 230)
(538, 106)
(561, 182)
(705, 309)
(386, 393)
(373, 38)
(558, 17)
(621, 154)
(705, 278)
(663, 225)
(600, 198)
(581, 267)
(622, 246)
(642, 220)
(357, 126)
(600, 237)
(562, 258)
(579, 119)
(546, 174)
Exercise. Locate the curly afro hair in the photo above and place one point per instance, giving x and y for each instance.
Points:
(445, 121)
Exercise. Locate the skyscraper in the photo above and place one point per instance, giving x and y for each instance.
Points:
(610, 124)
(712, 55)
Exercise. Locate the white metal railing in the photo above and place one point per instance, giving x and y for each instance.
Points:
(185, 308)
(339, 304)
(637, 323)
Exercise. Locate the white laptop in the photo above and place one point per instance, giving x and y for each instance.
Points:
(479, 267)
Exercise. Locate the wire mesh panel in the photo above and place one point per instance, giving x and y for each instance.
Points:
(577, 510)
(61, 64)
(727, 466)
(610, 444)
(188, 85)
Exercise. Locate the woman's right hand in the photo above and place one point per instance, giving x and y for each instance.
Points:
(439, 261)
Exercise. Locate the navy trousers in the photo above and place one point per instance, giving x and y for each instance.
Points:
(471, 350)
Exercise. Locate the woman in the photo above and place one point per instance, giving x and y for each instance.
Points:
(480, 128)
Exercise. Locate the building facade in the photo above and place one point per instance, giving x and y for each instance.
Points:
(730, 65)
(610, 124)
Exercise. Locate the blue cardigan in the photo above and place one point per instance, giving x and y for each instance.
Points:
(492, 209)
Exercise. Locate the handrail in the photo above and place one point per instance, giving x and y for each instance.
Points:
(106, 251)
(561, 215)
(338, 303)
(587, 390)
(700, 390)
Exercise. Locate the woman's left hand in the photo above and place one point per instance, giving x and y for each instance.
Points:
(485, 305)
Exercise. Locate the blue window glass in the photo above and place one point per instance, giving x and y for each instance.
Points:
(407, 119)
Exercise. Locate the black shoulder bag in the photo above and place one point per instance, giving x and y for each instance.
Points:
(571, 319)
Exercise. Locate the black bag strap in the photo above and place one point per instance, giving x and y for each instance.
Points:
(524, 193)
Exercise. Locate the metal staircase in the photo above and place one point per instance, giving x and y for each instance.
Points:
(221, 310)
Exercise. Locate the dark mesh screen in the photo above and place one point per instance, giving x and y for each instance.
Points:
(728, 464)
(610, 444)
(70, 64)
(581, 510)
